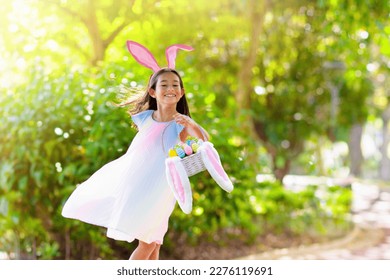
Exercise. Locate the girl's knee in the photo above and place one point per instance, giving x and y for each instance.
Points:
(157, 247)
(146, 246)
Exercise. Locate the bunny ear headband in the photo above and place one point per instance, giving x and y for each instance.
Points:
(145, 57)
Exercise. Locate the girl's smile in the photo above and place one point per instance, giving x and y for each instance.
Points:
(167, 88)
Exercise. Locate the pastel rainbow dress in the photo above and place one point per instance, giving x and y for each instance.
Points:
(130, 196)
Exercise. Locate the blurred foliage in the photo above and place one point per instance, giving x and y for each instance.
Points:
(61, 76)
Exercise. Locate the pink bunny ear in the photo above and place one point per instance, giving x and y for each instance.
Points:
(179, 183)
(171, 52)
(142, 55)
(214, 166)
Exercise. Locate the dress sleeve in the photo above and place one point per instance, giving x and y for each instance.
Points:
(179, 128)
(139, 118)
(171, 135)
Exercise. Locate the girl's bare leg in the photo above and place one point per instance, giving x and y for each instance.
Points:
(143, 251)
(156, 253)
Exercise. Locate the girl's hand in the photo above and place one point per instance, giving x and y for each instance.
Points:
(191, 128)
(184, 120)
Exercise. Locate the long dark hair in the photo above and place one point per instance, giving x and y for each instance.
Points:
(144, 102)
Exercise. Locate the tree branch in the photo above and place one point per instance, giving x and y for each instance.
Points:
(74, 45)
(66, 10)
(119, 28)
(115, 33)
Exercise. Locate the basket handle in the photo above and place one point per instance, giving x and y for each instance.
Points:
(165, 128)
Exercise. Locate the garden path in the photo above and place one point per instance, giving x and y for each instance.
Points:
(370, 239)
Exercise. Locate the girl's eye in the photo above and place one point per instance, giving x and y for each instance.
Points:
(175, 86)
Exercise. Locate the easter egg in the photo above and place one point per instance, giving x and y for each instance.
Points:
(189, 142)
(195, 147)
(188, 150)
(180, 152)
(172, 153)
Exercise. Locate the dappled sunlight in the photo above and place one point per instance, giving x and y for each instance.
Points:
(371, 206)
(278, 87)
(13, 61)
(367, 195)
(297, 181)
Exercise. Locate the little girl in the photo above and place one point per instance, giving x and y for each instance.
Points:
(130, 196)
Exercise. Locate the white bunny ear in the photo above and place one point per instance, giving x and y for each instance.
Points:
(171, 52)
(142, 55)
(214, 166)
(179, 183)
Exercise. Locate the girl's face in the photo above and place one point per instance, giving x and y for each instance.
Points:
(168, 89)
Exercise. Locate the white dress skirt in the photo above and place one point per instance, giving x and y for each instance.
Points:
(130, 196)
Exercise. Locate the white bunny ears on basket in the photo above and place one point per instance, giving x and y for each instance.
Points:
(178, 170)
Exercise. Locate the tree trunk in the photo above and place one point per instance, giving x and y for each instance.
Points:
(94, 33)
(384, 165)
(257, 9)
(245, 121)
(320, 159)
(281, 171)
(355, 149)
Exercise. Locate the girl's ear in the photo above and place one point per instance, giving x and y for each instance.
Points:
(152, 93)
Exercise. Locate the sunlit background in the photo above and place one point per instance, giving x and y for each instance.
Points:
(293, 94)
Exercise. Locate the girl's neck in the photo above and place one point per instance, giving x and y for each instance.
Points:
(164, 115)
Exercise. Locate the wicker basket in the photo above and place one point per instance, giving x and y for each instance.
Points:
(193, 164)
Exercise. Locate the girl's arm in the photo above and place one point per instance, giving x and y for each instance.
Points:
(191, 128)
